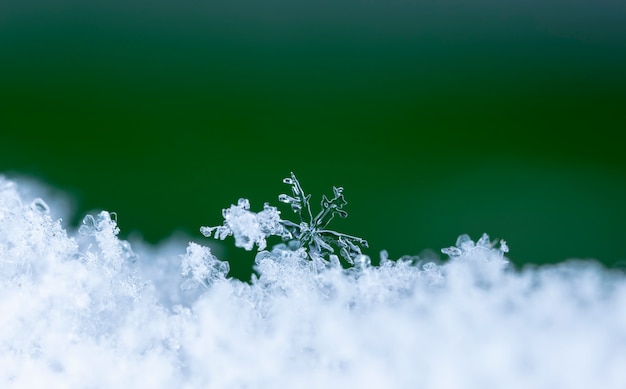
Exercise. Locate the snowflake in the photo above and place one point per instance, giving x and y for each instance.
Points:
(311, 232)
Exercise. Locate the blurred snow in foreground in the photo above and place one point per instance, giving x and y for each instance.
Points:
(86, 310)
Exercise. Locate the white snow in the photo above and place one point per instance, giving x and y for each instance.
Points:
(84, 309)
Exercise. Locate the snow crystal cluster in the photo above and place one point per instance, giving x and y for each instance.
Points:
(247, 227)
(84, 309)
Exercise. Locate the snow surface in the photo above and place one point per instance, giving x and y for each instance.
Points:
(84, 309)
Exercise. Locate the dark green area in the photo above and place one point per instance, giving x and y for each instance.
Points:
(438, 118)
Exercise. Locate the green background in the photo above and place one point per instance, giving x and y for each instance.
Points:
(437, 117)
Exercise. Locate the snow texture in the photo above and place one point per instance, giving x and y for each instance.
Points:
(82, 309)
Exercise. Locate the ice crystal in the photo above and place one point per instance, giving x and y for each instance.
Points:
(465, 246)
(201, 267)
(309, 231)
(312, 232)
(103, 229)
(247, 227)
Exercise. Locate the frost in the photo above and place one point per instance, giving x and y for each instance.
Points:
(85, 309)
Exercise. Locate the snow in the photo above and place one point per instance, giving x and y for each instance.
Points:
(85, 309)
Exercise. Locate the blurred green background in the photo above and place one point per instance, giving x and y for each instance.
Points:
(437, 117)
